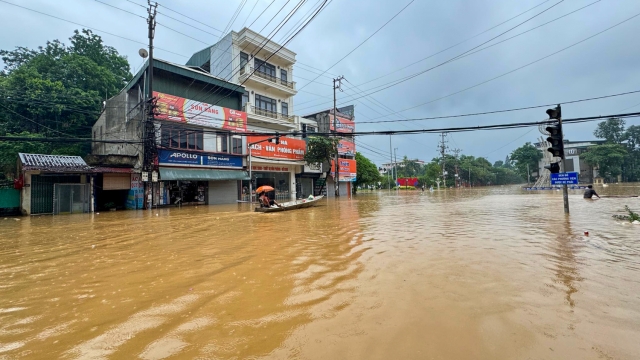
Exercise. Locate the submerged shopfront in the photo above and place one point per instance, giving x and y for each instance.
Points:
(199, 160)
(276, 165)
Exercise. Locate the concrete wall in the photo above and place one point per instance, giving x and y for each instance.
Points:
(120, 120)
(221, 56)
(222, 192)
(25, 195)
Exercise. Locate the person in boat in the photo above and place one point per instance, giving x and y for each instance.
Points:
(266, 202)
(588, 194)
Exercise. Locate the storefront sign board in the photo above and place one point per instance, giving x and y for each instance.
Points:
(344, 125)
(178, 109)
(270, 168)
(346, 147)
(313, 168)
(348, 169)
(289, 148)
(182, 158)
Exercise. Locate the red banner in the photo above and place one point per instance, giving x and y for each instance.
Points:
(348, 169)
(178, 109)
(290, 149)
(344, 125)
(346, 147)
(408, 181)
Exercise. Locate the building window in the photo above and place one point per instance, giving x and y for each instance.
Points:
(285, 108)
(222, 142)
(244, 59)
(265, 68)
(311, 129)
(180, 138)
(283, 75)
(245, 99)
(236, 145)
(267, 104)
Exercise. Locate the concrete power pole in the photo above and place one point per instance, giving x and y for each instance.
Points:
(443, 149)
(336, 85)
(150, 149)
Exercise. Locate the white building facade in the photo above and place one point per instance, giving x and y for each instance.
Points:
(265, 69)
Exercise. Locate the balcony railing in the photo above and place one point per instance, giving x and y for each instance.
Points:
(251, 109)
(263, 75)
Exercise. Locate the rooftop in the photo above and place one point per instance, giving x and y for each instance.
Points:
(59, 163)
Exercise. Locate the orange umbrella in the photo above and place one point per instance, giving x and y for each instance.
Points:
(264, 188)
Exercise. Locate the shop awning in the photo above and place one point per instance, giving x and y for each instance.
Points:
(202, 174)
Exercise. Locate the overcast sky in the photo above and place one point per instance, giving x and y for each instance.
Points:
(605, 64)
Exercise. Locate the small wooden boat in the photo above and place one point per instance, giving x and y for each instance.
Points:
(291, 205)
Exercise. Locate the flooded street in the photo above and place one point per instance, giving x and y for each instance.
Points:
(490, 273)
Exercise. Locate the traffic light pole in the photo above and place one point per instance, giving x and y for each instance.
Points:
(565, 190)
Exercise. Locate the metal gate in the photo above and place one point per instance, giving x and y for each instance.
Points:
(70, 198)
(42, 191)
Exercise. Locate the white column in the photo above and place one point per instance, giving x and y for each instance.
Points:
(292, 175)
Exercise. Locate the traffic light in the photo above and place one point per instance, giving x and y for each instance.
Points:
(555, 113)
(554, 168)
(555, 139)
(277, 138)
(304, 131)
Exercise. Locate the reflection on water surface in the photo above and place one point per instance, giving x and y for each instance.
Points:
(491, 273)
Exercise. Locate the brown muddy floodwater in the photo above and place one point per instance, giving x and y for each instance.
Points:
(492, 273)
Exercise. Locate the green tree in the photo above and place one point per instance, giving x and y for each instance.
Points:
(58, 90)
(525, 155)
(9, 151)
(498, 164)
(367, 172)
(611, 130)
(608, 158)
(321, 150)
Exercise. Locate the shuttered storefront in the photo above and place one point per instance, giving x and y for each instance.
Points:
(116, 181)
(42, 191)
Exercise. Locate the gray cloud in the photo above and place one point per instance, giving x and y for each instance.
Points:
(603, 65)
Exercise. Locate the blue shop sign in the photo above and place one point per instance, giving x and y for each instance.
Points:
(567, 178)
(176, 157)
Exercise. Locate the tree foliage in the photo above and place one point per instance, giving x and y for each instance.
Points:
(367, 172)
(526, 154)
(321, 149)
(608, 158)
(9, 151)
(612, 130)
(58, 90)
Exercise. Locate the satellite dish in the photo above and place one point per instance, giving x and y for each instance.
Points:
(143, 53)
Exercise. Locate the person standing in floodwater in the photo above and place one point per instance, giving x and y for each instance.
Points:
(588, 194)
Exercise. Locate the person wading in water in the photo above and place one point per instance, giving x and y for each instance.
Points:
(588, 194)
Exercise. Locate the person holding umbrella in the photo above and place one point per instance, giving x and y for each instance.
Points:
(264, 199)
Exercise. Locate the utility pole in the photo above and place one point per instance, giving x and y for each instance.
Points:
(528, 175)
(390, 162)
(150, 149)
(395, 163)
(443, 150)
(336, 85)
(565, 191)
(456, 153)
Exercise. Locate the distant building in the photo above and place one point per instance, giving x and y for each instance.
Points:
(345, 126)
(265, 69)
(386, 167)
(574, 163)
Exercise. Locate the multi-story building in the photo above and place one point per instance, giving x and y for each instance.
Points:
(574, 163)
(265, 69)
(199, 159)
(387, 167)
(343, 124)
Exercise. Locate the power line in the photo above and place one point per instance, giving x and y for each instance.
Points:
(464, 54)
(190, 18)
(516, 69)
(502, 111)
(280, 48)
(91, 28)
(365, 40)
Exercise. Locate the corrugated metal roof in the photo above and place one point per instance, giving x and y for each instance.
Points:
(186, 72)
(53, 162)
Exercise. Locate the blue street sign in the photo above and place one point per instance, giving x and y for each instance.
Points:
(177, 157)
(568, 178)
